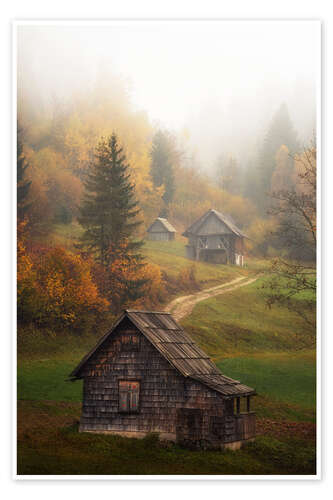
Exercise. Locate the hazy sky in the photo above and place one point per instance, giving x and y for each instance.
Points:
(237, 73)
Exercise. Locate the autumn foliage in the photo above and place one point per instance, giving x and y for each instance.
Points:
(60, 288)
(55, 288)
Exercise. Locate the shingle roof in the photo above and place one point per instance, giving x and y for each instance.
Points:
(195, 227)
(177, 347)
(166, 224)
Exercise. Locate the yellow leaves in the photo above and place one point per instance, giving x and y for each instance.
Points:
(59, 287)
(195, 194)
(25, 273)
(260, 233)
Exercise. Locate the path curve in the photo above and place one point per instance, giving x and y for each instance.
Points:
(183, 306)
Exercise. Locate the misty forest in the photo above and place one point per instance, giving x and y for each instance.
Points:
(117, 126)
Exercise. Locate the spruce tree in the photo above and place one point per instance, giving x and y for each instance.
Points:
(109, 209)
(281, 132)
(161, 169)
(23, 186)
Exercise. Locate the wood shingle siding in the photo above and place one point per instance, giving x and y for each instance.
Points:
(166, 385)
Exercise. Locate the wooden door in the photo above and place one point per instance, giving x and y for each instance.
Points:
(189, 425)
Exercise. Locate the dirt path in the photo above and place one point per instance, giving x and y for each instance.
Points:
(183, 306)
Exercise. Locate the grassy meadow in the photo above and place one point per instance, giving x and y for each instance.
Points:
(269, 349)
(171, 258)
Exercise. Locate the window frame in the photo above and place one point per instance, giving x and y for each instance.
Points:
(129, 408)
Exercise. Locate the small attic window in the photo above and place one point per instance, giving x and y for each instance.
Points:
(130, 342)
(129, 391)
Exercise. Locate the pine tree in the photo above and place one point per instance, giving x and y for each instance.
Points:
(161, 169)
(109, 209)
(23, 186)
(281, 132)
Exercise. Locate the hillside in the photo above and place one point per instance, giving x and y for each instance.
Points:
(263, 353)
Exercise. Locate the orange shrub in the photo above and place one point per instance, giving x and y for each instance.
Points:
(55, 289)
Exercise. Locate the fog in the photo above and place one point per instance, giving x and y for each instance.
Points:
(220, 82)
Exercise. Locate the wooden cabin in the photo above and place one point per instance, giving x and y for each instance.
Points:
(161, 230)
(215, 238)
(147, 375)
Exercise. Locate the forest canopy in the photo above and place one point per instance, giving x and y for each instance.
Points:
(60, 142)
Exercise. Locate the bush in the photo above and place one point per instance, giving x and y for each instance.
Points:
(187, 278)
(56, 290)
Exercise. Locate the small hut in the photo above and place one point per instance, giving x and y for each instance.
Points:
(147, 375)
(215, 238)
(161, 230)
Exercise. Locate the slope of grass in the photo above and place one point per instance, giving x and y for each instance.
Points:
(289, 377)
(65, 235)
(47, 380)
(285, 382)
(49, 443)
(263, 348)
(170, 257)
(240, 321)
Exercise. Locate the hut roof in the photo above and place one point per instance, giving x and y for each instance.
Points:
(196, 226)
(165, 223)
(177, 347)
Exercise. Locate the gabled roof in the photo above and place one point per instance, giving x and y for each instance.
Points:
(177, 347)
(195, 227)
(165, 223)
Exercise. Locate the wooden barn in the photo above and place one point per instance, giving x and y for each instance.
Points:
(161, 230)
(215, 238)
(147, 375)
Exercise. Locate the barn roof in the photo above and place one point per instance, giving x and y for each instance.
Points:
(195, 227)
(177, 347)
(165, 223)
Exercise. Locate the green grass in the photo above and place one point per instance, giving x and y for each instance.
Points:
(240, 322)
(46, 380)
(285, 382)
(170, 257)
(269, 349)
(49, 443)
(286, 377)
(64, 235)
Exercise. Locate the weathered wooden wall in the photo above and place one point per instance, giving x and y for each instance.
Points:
(162, 236)
(213, 225)
(175, 406)
(157, 232)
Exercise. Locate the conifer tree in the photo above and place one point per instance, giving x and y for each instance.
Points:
(109, 209)
(161, 165)
(23, 186)
(281, 132)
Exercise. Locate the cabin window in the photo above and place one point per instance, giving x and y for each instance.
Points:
(239, 405)
(129, 396)
(203, 242)
(130, 342)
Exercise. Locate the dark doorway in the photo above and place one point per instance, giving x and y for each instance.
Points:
(189, 425)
